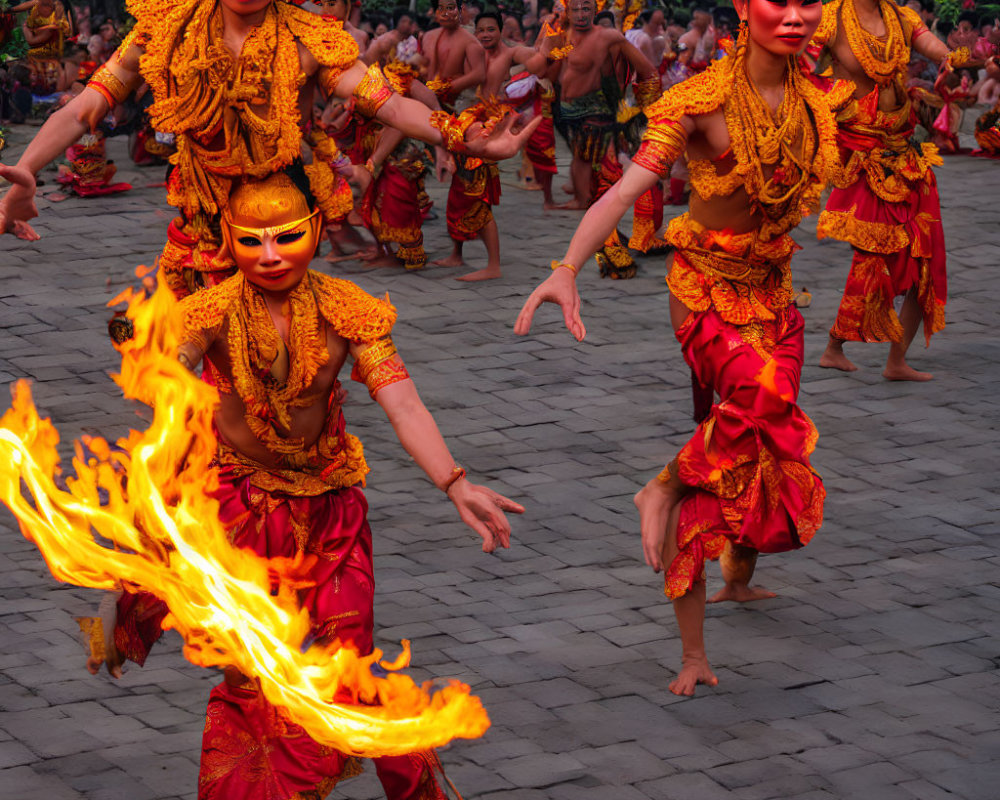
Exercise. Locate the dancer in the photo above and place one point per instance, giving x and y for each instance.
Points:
(886, 203)
(274, 338)
(220, 139)
(760, 139)
(475, 184)
(585, 62)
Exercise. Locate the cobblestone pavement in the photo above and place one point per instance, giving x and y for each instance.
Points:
(871, 675)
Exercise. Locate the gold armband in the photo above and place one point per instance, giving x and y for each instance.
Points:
(647, 91)
(557, 264)
(664, 476)
(372, 92)
(110, 85)
(452, 129)
(662, 145)
(378, 366)
(959, 57)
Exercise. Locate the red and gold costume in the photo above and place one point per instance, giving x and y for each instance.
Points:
(475, 186)
(309, 503)
(233, 117)
(886, 202)
(329, 187)
(541, 146)
(89, 172)
(43, 60)
(392, 207)
(746, 468)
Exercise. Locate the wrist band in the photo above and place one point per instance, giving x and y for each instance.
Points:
(457, 473)
(570, 267)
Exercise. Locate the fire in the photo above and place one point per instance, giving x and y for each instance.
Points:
(139, 514)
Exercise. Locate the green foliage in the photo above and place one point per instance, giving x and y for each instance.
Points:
(16, 47)
(948, 10)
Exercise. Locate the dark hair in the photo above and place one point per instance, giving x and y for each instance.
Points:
(927, 6)
(494, 15)
(969, 16)
(604, 15)
(944, 27)
(434, 4)
(296, 171)
(399, 13)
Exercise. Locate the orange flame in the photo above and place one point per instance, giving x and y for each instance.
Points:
(149, 500)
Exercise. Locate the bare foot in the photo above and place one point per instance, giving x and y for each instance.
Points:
(834, 358)
(365, 254)
(740, 593)
(549, 205)
(383, 261)
(571, 205)
(655, 501)
(905, 372)
(568, 188)
(450, 261)
(694, 671)
(481, 274)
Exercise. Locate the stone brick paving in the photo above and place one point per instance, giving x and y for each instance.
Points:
(872, 675)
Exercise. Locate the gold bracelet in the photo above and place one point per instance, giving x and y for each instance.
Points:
(570, 267)
(959, 56)
(457, 473)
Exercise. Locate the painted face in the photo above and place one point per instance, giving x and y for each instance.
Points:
(271, 235)
(783, 27)
(447, 14)
(488, 33)
(581, 14)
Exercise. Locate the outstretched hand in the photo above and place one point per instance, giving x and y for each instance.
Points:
(482, 510)
(560, 288)
(17, 206)
(501, 142)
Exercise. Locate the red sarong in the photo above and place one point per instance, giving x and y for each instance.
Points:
(252, 750)
(647, 219)
(474, 189)
(541, 145)
(747, 464)
(391, 211)
(897, 246)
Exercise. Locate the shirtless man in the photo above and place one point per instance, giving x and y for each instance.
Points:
(456, 60)
(584, 61)
(476, 187)
(700, 38)
(888, 187)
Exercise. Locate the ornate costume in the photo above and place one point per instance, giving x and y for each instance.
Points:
(392, 207)
(307, 502)
(885, 203)
(746, 468)
(988, 133)
(43, 59)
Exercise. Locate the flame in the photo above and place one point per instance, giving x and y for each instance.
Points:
(148, 501)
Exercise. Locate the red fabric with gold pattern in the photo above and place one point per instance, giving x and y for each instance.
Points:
(251, 750)
(647, 219)
(884, 268)
(391, 211)
(747, 465)
(473, 191)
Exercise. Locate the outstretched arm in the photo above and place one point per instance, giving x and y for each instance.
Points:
(61, 130)
(414, 118)
(595, 227)
(480, 508)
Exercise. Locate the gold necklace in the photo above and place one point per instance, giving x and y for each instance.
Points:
(880, 59)
(759, 141)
